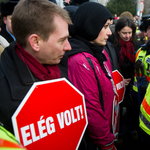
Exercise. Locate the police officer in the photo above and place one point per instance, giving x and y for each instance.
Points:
(142, 62)
(6, 32)
(143, 54)
(145, 119)
(142, 71)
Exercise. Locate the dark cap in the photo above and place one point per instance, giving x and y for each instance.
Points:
(145, 22)
(8, 8)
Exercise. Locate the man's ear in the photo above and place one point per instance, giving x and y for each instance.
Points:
(4, 19)
(34, 41)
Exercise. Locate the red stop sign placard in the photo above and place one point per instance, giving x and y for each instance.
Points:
(51, 116)
(120, 89)
(119, 84)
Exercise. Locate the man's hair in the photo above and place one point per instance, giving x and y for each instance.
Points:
(35, 17)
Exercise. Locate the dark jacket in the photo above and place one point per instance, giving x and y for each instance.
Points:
(15, 81)
(5, 34)
(127, 69)
(109, 47)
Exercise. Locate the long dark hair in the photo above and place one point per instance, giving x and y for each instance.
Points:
(121, 23)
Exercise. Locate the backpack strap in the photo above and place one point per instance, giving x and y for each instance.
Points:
(99, 87)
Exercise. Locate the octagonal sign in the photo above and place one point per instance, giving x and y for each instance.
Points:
(120, 90)
(52, 116)
(119, 84)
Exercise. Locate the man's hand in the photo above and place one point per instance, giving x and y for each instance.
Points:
(127, 81)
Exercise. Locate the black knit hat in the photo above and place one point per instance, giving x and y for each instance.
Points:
(8, 7)
(89, 19)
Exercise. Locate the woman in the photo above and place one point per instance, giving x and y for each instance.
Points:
(125, 45)
(88, 38)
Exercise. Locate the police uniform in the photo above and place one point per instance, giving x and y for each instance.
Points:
(8, 141)
(145, 112)
(143, 54)
(144, 119)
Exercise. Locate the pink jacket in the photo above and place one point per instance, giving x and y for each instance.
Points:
(83, 78)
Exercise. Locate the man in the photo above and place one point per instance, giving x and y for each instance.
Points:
(144, 107)
(142, 76)
(6, 30)
(41, 42)
(143, 57)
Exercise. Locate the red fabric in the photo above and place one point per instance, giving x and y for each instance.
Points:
(127, 49)
(42, 72)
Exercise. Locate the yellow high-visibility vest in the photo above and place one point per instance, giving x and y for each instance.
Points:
(141, 54)
(8, 141)
(145, 112)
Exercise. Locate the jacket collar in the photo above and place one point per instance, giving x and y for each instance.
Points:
(17, 74)
(19, 77)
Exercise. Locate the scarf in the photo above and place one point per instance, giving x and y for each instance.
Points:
(42, 72)
(96, 51)
(127, 49)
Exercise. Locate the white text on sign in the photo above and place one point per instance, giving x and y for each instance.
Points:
(120, 85)
(68, 116)
(47, 126)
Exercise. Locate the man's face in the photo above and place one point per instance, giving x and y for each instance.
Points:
(7, 21)
(52, 51)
